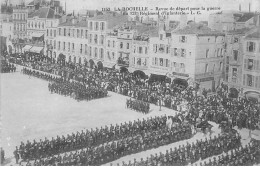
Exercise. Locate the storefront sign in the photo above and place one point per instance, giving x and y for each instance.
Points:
(205, 79)
(180, 74)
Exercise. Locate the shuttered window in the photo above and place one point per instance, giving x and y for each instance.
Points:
(244, 79)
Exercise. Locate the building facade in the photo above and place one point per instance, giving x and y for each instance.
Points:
(198, 53)
(251, 64)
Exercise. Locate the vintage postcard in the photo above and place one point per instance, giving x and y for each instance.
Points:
(130, 83)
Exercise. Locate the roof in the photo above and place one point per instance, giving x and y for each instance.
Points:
(254, 35)
(198, 29)
(41, 2)
(43, 13)
(113, 19)
(82, 23)
(239, 31)
(246, 17)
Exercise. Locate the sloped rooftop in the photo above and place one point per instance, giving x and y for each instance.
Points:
(43, 13)
(198, 29)
(239, 31)
(246, 17)
(254, 35)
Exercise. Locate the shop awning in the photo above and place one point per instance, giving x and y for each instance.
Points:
(27, 48)
(36, 49)
(37, 34)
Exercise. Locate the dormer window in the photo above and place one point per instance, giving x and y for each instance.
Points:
(183, 39)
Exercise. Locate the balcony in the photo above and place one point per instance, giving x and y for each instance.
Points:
(202, 75)
(141, 38)
(121, 62)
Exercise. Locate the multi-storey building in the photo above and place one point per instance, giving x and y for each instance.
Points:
(8, 32)
(20, 15)
(159, 53)
(234, 57)
(124, 47)
(92, 32)
(37, 24)
(197, 53)
(71, 43)
(111, 53)
(251, 62)
(139, 59)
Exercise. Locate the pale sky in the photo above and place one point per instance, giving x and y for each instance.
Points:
(98, 4)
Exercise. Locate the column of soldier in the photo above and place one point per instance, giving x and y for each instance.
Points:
(41, 75)
(243, 156)
(138, 105)
(7, 67)
(100, 146)
(227, 148)
(191, 153)
(80, 91)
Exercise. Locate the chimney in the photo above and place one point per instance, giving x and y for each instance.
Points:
(249, 7)
(240, 7)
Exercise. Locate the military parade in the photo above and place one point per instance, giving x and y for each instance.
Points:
(83, 87)
(138, 105)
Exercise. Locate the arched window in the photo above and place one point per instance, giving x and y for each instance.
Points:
(42, 25)
(74, 60)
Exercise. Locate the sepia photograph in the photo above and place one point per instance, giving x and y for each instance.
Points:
(130, 83)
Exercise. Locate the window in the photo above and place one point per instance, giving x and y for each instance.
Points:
(250, 64)
(250, 46)
(128, 36)
(121, 45)
(59, 45)
(146, 50)
(102, 39)
(86, 49)
(249, 80)
(59, 31)
(81, 33)
(235, 39)
(235, 54)
(220, 66)
(138, 62)
(113, 44)
(90, 51)
(140, 50)
(127, 46)
(156, 61)
(183, 39)
(102, 26)
(54, 32)
(161, 48)
(90, 25)
(68, 46)
(95, 39)
(73, 47)
(47, 32)
(90, 38)
(108, 43)
(206, 68)
(64, 46)
(207, 53)
(54, 44)
(113, 55)
(78, 33)
(96, 52)
(64, 32)
(161, 61)
(155, 48)
(161, 36)
(51, 32)
(234, 75)
(81, 46)
(96, 27)
(108, 56)
(86, 34)
(175, 52)
(183, 52)
(167, 49)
